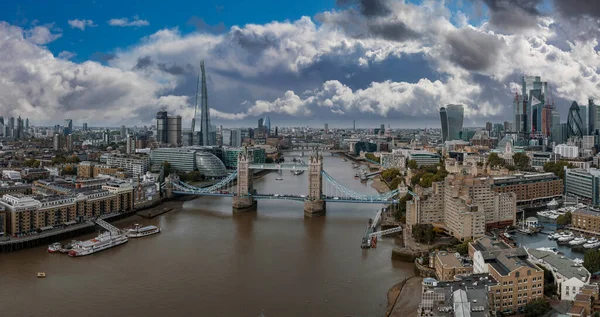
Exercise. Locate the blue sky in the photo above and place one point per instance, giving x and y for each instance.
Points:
(375, 61)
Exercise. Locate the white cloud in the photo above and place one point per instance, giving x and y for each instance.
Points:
(81, 24)
(41, 35)
(122, 22)
(66, 55)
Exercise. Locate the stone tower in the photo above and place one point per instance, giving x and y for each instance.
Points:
(314, 205)
(243, 199)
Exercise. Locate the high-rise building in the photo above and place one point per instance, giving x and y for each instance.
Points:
(27, 124)
(130, 145)
(85, 126)
(69, 145)
(583, 112)
(123, 132)
(326, 128)
(68, 126)
(560, 133)
(2, 120)
(453, 124)
(106, 136)
(19, 130)
(267, 126)
(444, 121)
(236, 138)
(260, 124)
(574, 122)
(161, 126)
(11, 123)
(353, 124)
(592, 117)
(488, 126)
(56, 142)
(534, 92)
(205, 116)
(174, 130)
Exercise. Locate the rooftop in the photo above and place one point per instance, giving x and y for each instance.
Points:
(501, 256)
(467, 297)
(450, 260)
(563, 265)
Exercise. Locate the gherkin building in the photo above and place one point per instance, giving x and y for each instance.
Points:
(574, 122)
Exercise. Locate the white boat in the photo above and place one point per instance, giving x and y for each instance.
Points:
(578, 241)
(552, 204)
(54, 247)
(279, 179)
(553, 250)
(592, 240)
(102, 242)
(592, 245)
(566, 237)
(138, 231)
(297, 172)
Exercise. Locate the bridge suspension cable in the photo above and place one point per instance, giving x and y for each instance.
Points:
(355, 195)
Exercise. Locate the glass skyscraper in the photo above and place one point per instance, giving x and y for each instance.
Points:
(451, 118)
(574, 122)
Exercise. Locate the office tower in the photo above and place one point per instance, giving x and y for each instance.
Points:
(382, 128)
(174, 130)
(11, 122)
(260, 124)
(123, 132)
(236, 138)
(267, 126)
(226, 137)
(560, 133)
(534, 92)
(130, 145)
(574, 122)
(27, 124)
(488, 126)
(1, 120)
(520, 116)
(85, 126)
(69, 143)
(205, 116)
(19, 130)
(353, 124)
(326, 128)
(592, 117)
(161, 126)
(106, 136)
(276, 131)
(56, 143)
(546, 127)
(452, 121)
(444, 122)
(507, 126)
(7, 131)
(68, 126)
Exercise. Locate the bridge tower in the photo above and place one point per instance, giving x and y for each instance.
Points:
(243, 200)
(169, 180)
(314, 205)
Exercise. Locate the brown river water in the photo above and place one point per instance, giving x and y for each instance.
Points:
(210, 262)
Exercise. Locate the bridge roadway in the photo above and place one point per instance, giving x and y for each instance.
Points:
(279, 166)
(334, 199)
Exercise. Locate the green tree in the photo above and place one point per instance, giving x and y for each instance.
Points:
(390, 173)
(372, 157)
(557, 168)
(463, 248)
(31, 163)
(549, 286)
(537, 307)
(72, 159)
(521, 160)
(69, 170)
(591, 261)
(412, 164)
(401, 210)
(426, 180)
(565, 219)
(167, 168)
(423, 233)
(494, 160)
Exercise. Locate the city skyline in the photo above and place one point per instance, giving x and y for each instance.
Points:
(313, 66)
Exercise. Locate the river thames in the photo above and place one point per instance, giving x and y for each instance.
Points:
(210, 262)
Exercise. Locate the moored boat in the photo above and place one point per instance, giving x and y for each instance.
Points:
(578, 241)
(102, 242)
(297, 172)
(566, 237)
(54, 247)
(138, 231)
(592, 245)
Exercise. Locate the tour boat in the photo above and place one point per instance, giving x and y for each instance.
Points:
(54, 247)
(138, 231)
(102, 242)
(279, 179)
(297, 172)
(566, 237)
(578, 241)
(41, 274)
(67, 247)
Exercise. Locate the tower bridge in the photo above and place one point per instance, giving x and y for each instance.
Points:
(322, 187)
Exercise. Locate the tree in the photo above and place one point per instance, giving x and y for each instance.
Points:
(565, 219)
(558, 168)
(463, 248)
(72, 159)
(69, 170)
(167, 168)
(372, 157)
(521, 160)
(591, 261)
(423, 233)
(268, 160)
(412, 164)
(537, 307)
(390, 173)
(426, 180)
(494, 160)
(549, 286)
(31, 163)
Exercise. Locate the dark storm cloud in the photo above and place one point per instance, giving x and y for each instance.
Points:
(103, 57)
(202, 26)
(576, 8)
(173, 69)
(393, 31)
(473, 50)
(368, 8)
(143, 63)
(513, 15)
(252, 41)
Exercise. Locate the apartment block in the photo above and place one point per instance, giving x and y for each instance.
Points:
(586, 220)
(462, 205)
(132, 165)
(531, 189)
(519, 280)
(449, 265)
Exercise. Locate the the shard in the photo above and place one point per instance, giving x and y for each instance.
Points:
(205, 116)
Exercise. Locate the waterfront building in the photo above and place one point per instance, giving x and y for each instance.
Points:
(450, 265)
(209, 165)
(183, 160)
(455, 298)
(584, 184)
(230, 156)
(519, 279)
(168, 129)
(422, 157)
(530, 189)
(569, 277)
(462, 205)
(569, 151)
(586, 220)
(132, 165)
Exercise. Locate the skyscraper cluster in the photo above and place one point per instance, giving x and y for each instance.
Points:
(12, 129)
(168, 129)
(451, 118)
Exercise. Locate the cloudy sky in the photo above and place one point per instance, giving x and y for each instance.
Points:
(300, 62)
